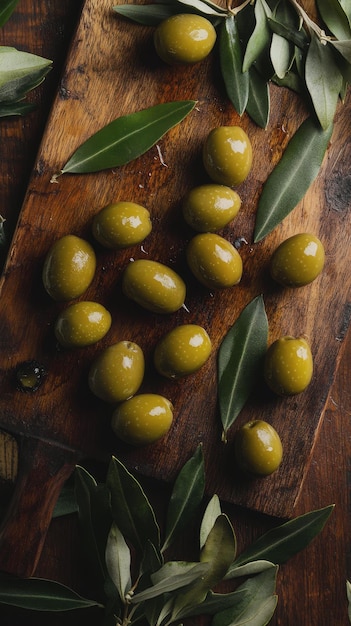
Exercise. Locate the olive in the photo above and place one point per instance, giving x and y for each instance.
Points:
(121, 225)
(117, 372)
(298, 260)
(142, 419)
(69, 268)
(82, 324)
(182, 351)
(288, 365)
(227, 155)
(154, 286)
(258, 448)
(214, 261)
(209, 208)
(184, 39)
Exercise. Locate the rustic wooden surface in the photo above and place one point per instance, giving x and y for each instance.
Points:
(316, 577)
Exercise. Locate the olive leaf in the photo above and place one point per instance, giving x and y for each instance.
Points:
(204, 8)
(118, 561)
(186, 496)
(146, 14)
(256, 605)
(258, 104)
(251, 568)
(292, 176)
(281, 543)
(347, 8)
(20, 72)
(297, 37)
(7, 7)
(15, 108)
(261, 35)
(323, 80)
(38, 594)
(239, 360)
(344, 48)
(335, 18)
(348, 595)
(212, 511)
(67, 502)
(172, 576)
(231, 60)
(126, 138)
(131, 509)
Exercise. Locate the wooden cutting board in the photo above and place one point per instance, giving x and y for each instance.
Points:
(112, 70)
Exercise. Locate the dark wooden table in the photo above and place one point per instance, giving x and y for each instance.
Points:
(311, 586)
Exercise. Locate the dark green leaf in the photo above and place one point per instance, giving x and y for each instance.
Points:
(67, 502)
(251, 568)
(146, 14)
(236, 81)
(118, 561)
(131, 509)
(281, 543)
(335, 18)
(127, 137)
(261, 35)
(290, 81)
(348, 595)
(257, 604)
(344, 48)
(215, 602)
(292, 176)
(204, 8)
(347, 8)
(20, 72)
(172, 576)
(95, 520)
(212, 511)
(186, 496)
(258, 104)
(239, 360)
(297, 37)
(323, 80)
(15, 108)
(38, 594)
(7, 7)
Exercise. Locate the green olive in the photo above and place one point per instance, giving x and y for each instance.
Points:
(258, 448)
(154, 286)
(117, 372)
(227, 155)
(298, 260)
(214, 261)
(121, 225)
(288, 365)
(184, 39)
(182, 351)
(142, 419)
(69, 268)
(209, 208)
(82, 324)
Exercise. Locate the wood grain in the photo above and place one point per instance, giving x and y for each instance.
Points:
(97, 86)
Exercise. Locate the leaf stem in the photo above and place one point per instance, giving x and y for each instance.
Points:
(235, 10)
(311, 25)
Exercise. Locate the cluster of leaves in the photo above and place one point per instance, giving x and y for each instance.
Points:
(20, 72)
(127, 553)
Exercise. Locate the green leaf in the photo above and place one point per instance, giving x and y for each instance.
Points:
(257, 604)
(95, 520)
(127, 137)
(204, 8)
(131, 509)
(19, 73)
(281, 53)
(292, 176)
(186, 496)
(239, 360)
(348, 594)
(148, 14)
(251, 568)
(231, 59)
(258, 104)
(344, 48)
(7, 7)
(347, 8)
(214, 603)
(15, 108)
(281, 543)
(172, 576)
(212, 511)
(335, 18)
(297, 37)
(38, 594)
(261, 35)
(67, 502)
(323, 80)
(118, 561)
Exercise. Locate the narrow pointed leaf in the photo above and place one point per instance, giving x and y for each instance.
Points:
(257, 604)
(292, 176)
(261, 35)
(348, 595)
(118, 561)
(214, 603)
(131, 509)
(204, 8)
(281, 543)
(7, 7)
(38, 594)
(66, 503)
(281, 53)
(15, 108)
(172, 576)
(231, 59)
(186, 496)
(323, 80)
(335, 18)
(148, 14)
(213, 510)
(127, 137)
(344, 48)
(258, 104)
(297, 37)
(251, 568)
(347, 8)
(20, 72)
(239, 360)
